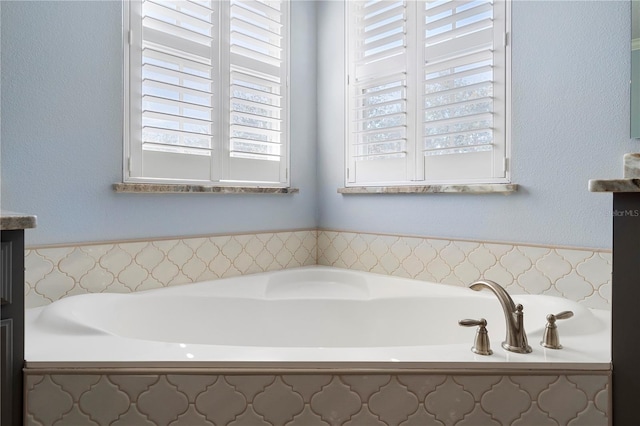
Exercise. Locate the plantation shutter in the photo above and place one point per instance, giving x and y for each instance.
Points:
(379, 117)
(257, 86)
(464, 90)
(208, 96)
(427, 92)
(176, 44)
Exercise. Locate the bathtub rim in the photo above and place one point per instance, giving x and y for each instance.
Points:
(277, 368)
(464, 359)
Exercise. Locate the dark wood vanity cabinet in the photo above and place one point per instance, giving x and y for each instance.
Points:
(626, 299)
(625, 289)
(11, 326)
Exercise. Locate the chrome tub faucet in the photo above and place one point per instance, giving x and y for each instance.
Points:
(516, 339)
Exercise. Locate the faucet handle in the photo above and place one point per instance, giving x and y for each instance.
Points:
(471, 322)
(562, 315)
(550, 338)
(481, 345)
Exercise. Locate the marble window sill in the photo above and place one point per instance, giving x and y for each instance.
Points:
(503, 188)
(154, 188)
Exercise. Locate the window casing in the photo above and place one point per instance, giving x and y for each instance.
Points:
(427, 92)
(207, 92)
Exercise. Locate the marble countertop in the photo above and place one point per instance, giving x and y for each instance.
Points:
(12, 220)
(630, 182)
(614, 185)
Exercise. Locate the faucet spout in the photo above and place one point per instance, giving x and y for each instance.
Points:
(516, 338)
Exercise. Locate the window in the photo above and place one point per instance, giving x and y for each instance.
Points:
(427, 92)
(207, 92)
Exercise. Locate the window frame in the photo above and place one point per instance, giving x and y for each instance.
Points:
(220, 158)
(415, 60)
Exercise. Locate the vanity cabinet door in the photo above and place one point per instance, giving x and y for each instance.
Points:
(5, 272)
(6, 368)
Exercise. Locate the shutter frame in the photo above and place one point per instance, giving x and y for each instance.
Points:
(191, 100)
(436, 169)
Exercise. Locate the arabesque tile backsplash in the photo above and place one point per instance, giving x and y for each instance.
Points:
(56, 272)
(582, 275)
(51, 273)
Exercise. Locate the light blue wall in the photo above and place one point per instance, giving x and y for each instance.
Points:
(635, 92)
(62, 133)
(570, 124)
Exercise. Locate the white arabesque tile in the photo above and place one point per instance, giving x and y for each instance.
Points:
(409, 398)
(596, 269)
(516, 262)
(52, 273)
(579, 274)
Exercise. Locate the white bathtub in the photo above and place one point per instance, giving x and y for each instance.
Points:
(306, 316)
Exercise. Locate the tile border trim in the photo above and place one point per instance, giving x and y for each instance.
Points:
(467, 240)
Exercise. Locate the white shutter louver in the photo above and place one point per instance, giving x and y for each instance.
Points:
(378, 92)
(257, 83)
(460, 97)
